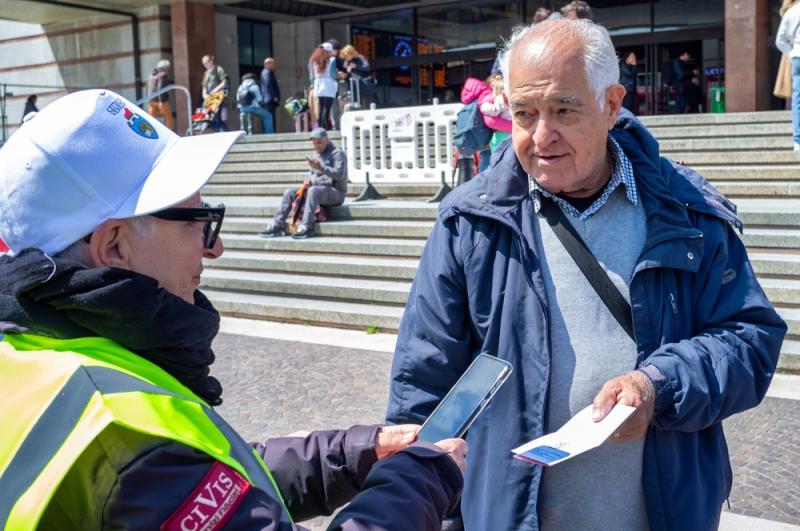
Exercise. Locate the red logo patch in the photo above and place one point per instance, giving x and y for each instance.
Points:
(212, 503)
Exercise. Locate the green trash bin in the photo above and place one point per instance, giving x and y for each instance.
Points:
(717, 99)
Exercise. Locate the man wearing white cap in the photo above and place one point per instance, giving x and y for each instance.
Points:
(107, 418)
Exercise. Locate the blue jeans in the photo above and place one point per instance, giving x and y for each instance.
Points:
(266, 117)
(796, 99)
(483, 161)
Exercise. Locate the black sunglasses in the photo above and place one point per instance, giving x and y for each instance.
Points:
(211, 216)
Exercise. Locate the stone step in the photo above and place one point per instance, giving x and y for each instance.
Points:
(772, 158)
(358, 228)
(299, 145)
(318, 264)
(772, 238)
(285, 178)
(269, 156)
(360, 290)
(744, 143)
(767, 263)
(792, 318)
(763, 189)
(748, 173)
(311, 311)
(253, 206)
(274, 167)
(723, 131)
(775, 212)
(790, 355)
(782, 291)
(680, 120)
(329, 245)
(284, 137)
(392, 190)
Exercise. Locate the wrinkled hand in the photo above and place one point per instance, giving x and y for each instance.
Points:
(631, 389)
(391, 439)
(457, 449)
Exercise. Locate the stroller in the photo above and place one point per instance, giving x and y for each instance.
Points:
(205, 115)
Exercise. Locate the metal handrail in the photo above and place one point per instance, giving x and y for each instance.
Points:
(166, 89)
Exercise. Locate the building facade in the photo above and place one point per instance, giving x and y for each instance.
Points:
(420, 50)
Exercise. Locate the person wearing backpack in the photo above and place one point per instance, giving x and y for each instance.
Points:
(248, 100)
(473, 128)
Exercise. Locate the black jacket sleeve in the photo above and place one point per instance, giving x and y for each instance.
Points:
(411, 490)
(323, 471)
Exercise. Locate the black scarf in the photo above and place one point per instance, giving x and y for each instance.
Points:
(64, 299)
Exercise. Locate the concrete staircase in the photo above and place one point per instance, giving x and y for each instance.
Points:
(358, 271)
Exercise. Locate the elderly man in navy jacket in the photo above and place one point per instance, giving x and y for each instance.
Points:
(703, 340)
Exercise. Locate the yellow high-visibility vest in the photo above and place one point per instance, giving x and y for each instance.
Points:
(59, 395)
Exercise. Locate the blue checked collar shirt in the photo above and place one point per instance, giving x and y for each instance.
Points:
(621, 173)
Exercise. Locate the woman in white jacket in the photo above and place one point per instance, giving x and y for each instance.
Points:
(322, 72)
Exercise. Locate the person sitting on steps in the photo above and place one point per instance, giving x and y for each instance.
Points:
(328, 187)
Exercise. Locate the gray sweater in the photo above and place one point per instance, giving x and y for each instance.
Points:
(333, 171)
(601, 489)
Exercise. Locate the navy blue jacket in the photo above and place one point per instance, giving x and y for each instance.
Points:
(270, 90)
(706, 335)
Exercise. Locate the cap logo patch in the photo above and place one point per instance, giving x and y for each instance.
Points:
(139, 125)
(115, 106)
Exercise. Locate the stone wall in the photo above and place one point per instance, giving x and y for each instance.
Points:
(96, 51)
(292, 44)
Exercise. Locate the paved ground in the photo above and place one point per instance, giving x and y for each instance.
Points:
(277, 387)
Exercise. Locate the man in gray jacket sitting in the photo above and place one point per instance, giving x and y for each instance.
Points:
(326, 186)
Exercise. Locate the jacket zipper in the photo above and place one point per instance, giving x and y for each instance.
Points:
(526, 267)
(672, 302)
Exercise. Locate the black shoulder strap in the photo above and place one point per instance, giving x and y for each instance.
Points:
(588, 264)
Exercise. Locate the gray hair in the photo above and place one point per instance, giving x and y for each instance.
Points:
(79, 250)
(540, 41)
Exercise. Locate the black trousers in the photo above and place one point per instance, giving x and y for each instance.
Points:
(325, 104)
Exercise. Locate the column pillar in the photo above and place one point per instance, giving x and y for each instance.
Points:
(747, 33)
(193, 36)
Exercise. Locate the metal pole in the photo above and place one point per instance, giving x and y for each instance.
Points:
(137, 60)
(149, 97)
(3, 117)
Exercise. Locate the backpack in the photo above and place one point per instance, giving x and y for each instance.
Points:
(244, 96)
(472, 135)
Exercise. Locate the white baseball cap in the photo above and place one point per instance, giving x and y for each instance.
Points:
(92, 156)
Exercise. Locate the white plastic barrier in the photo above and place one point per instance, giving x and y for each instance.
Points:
(400, 145)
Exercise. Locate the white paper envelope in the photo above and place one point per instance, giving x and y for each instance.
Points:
(578, 435)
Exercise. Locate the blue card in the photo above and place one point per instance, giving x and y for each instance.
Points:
(544, 454)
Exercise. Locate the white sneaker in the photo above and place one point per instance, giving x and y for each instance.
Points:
(797, 146)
